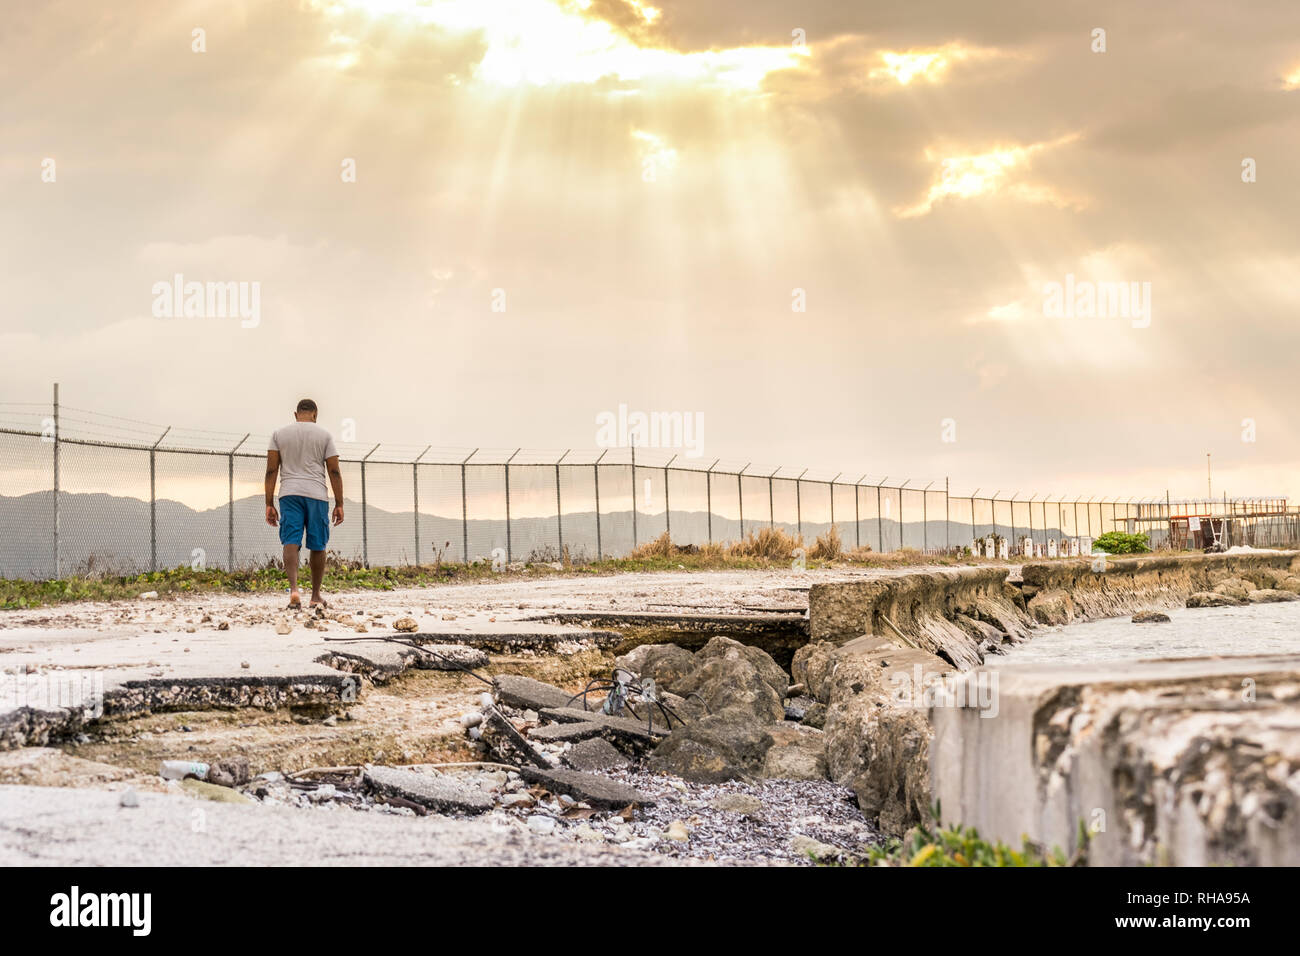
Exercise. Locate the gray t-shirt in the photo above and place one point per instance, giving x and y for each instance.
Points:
(303, 448)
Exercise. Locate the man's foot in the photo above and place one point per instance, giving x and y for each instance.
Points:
(295, 600)
(318, 601)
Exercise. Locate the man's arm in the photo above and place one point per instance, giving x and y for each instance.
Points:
(272, 472)
(336, 482)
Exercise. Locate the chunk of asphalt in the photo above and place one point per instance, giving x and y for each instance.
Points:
(524, 693)
(564, 733)
(434, 792)
(601, 792)
(506, 743)
(594, 754)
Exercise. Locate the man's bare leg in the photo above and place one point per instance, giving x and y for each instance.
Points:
(317, 563)
(291, 571)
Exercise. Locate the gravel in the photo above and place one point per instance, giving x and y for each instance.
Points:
(765, 822)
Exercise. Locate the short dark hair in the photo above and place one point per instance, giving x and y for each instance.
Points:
(306, 405)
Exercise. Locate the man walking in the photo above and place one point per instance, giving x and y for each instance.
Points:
(303, 455)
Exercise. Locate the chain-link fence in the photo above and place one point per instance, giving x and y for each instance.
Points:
(74, 504)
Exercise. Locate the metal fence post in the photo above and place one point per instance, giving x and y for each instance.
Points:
(925, 518)
(57, 556)
(668, 514)
(415, 496)
(230, 515)
(833, 480)
(973, 535)
(947, 517)
(559, 512)
(740, 495)
(365, 537)
(510, 554)
(708, 495)
(153, 502)
(798, 501)
(771, 501)
(600, 553)
(880, 520)
(1012, 540)
(464, 509)
(857, 512)
(906, 482)
(633, 494)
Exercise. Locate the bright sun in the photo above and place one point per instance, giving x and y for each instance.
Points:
(545, 42)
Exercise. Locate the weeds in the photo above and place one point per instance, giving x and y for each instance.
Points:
(963, 846)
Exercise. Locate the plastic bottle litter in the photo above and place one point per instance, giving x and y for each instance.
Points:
(180, 769)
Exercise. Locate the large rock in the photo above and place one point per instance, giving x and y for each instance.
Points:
(1265, 578)
(665, 664)
(714, 749)
(797, 753)
(812, 665)
(1271, 596)
(736, 680)
(1150, 617)
(601, 792)
(436, 792)
(1053, 606)
(1235, 588)
(524, 693)
(1212, 599)
(877, 734)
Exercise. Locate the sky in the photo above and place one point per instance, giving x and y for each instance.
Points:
(827, 232)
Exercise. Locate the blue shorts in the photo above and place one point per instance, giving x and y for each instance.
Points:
(298, 513)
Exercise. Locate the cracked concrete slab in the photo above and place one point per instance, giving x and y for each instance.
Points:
(433, 791)
(601, 792)
(525, 693)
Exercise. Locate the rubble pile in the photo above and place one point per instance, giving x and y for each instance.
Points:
(701, 756)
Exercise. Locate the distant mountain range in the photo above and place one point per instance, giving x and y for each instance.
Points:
(111, 533)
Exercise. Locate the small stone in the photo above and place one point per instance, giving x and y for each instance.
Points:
(322, 793)
(282, 626)
(407, 624)
(362, 629)
(806, 846)
(223, 626)
(331, 721)
(130, 799)
(677, 831)
(245, 665)
(741, 803)
(1150, 617)
(518, 799)
(588, 834)
(541, 825)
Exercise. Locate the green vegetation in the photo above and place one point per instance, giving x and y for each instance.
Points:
(1117, 542)
(963, 846)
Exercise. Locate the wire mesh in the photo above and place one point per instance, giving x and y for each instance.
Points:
(126, 506)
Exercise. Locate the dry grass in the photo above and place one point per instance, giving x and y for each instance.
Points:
(660, 547)
(770, 544)
(828, 546)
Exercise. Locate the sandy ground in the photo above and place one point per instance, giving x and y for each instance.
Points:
(42, 826)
